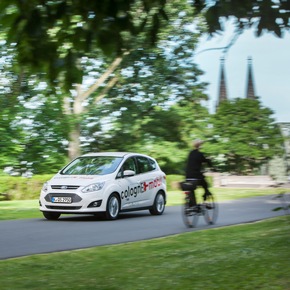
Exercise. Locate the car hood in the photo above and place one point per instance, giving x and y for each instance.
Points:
(80, 180)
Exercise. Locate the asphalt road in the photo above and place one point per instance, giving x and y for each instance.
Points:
(35, 236)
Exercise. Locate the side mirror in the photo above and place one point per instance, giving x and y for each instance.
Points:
(128, 173)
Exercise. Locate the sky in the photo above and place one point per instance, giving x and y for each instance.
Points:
(270, 65)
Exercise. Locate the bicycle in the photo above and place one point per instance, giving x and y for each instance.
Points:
(207, 208)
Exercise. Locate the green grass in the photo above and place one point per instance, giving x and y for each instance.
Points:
(251, 256)
(19, 209)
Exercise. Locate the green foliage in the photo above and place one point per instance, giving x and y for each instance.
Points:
(44, 143)
(156, 103)
(51, 36)
(169, 156)
(261, 15)
(244, 136)
(21, 188)
(136, 113)
(10, 129)
(32, 124)
(173, 180)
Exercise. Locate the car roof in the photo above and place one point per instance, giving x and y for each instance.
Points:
(115, 154)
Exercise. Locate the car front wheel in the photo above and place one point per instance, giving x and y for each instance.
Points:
(51, 215)
(159, 205)
(113, 207)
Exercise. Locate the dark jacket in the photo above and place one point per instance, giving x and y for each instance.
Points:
(194, 164)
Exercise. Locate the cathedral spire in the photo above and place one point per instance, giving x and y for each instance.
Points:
(250, 94)
(222, 87)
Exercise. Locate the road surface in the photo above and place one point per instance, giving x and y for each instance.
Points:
(34, 236)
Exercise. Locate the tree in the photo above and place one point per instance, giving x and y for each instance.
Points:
(79, 104)
(52, 36)
(33, 128)
(244, 136)
(45, 133)
(112, 90)
(155, 89)
(140, 83)
(10, 88)
(263, 16)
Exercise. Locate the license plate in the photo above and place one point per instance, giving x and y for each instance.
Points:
(57, 199)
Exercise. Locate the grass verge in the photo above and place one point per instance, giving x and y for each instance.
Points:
(250, 256)
(19, 209)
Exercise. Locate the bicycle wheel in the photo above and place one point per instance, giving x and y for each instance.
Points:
(211, 210)
(189, 215)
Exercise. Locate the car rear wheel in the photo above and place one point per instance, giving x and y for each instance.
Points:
(51, 215)
(159, 205)
(113, 207)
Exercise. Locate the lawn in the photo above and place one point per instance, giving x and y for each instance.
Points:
(19, 209)
(250, 256)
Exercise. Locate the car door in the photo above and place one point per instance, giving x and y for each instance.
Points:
(130, 186)
(147, 177)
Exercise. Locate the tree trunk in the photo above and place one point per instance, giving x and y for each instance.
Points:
(77, 109)
(74, 149)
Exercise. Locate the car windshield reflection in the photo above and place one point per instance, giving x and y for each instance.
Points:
(99, 165)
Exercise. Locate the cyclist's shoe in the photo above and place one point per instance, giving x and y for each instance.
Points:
(189, 225)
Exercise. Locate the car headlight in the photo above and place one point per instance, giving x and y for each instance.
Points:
(93, 187)
(45, 187)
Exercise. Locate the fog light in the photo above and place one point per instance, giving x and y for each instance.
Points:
(96, 203)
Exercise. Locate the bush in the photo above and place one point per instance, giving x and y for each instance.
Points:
(172, 181)
(21, 188)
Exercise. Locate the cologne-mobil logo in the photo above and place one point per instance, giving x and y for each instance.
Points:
(152, 184)
(133, 191)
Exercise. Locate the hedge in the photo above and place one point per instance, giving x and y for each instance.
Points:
(20, 188)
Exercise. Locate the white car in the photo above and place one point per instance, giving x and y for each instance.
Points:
(107, 183)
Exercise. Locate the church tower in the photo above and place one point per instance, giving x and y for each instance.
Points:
(250, 93)
(222, 93)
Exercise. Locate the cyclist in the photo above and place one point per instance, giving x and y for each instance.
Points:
(195, 162)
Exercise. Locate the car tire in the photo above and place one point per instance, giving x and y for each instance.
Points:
(159, 204)
(51, 215)
(113, 207)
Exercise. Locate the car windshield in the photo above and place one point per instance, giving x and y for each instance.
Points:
(92, 165)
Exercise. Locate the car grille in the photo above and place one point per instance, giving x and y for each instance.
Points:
(63, 207)
(65, 187)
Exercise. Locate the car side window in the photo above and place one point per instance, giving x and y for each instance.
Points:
(129, 164)
(145, 164)
(152, 165)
